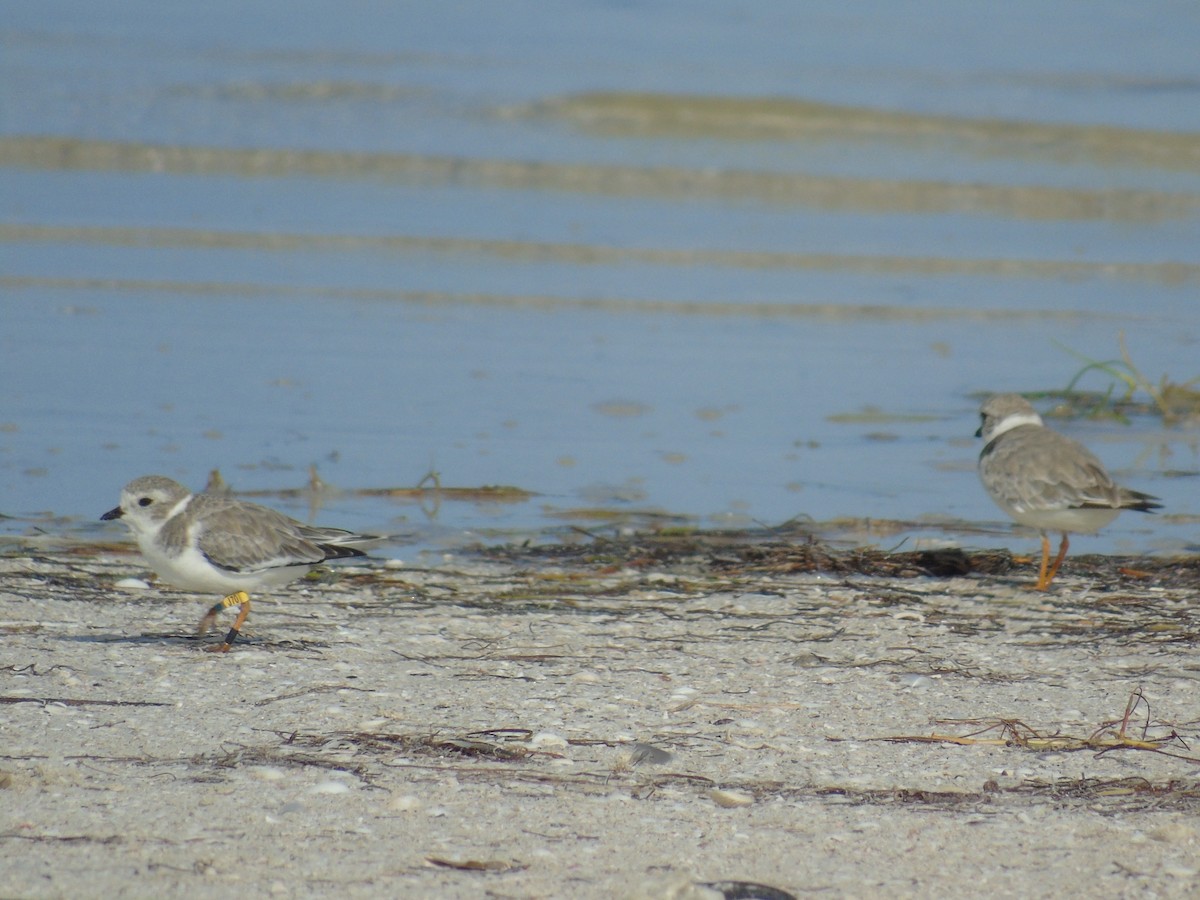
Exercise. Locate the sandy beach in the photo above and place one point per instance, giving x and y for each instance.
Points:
(648, 718)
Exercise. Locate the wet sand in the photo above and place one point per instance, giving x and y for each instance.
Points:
(631, 718)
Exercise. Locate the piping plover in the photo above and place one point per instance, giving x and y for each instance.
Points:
(1046, 480)
(210, 542)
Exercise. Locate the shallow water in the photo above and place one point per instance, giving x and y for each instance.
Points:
(668, 265)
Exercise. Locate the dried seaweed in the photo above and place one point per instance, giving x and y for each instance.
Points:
(1008, 732)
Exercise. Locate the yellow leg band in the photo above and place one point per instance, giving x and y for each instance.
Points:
(238, 598)
(234, 599)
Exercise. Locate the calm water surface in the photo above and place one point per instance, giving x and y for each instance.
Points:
(664, 263)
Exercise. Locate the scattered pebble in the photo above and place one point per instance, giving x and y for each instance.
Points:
(662, 578)
(640, 753)
(1173, 833)
(132, 584)
(746, 890)
(678, 888)
(548, 740)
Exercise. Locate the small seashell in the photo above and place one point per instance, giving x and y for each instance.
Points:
(266, 773)
(730, 799)
(404, 803)
(330, 787)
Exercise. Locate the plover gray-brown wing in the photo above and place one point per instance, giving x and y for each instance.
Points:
(240, 537)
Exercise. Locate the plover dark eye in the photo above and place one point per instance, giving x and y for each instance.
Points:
(145, 501)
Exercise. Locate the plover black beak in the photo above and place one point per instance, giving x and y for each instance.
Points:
(114, 513)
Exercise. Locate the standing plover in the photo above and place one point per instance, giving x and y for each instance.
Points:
(1046, 480)
(211, 542)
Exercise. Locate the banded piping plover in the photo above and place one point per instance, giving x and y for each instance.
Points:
(1046, 480)
(210, 542)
